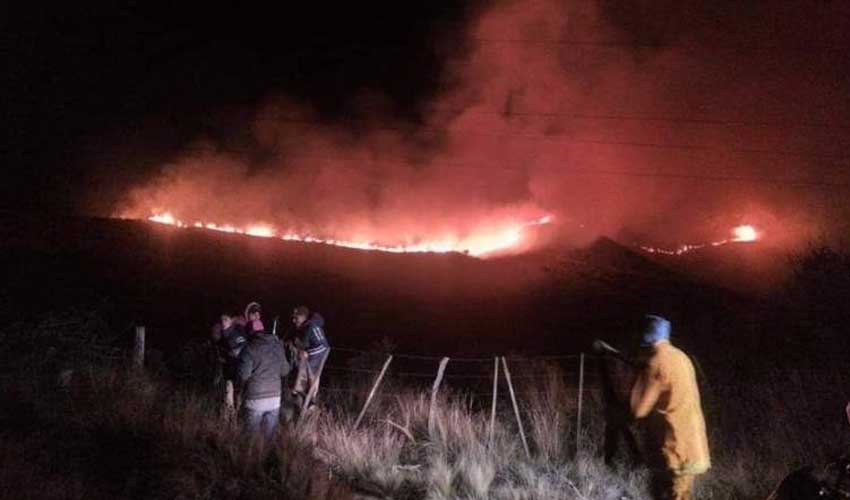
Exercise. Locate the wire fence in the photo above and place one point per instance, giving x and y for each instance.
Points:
(350, 371)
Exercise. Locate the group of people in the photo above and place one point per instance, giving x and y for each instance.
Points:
(258, 362)
(664, 391)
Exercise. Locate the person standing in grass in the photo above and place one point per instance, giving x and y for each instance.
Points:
(229, 338)
(312, 346)
(667, 395)
(262, 366)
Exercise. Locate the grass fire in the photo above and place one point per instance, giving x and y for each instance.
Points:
(501, 238)
(739, 234)
(460, 250)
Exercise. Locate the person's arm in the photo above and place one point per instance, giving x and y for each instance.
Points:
(285, 367)
(646, 391)
(316, 340)
(245, 366)
(216, 332)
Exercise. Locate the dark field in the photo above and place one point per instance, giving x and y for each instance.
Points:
(772, 365)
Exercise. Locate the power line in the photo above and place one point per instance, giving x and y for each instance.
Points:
(789, 182)
(346, 46)
(550, 138)
(714, 178)
(661, 118)
(559, 139)
(660, 45)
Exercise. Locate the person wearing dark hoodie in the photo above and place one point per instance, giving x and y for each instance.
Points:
(229, 338)
(312, 347)
(262, 366)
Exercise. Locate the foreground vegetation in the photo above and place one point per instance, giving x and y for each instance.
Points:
(106, 431)
(118, 433)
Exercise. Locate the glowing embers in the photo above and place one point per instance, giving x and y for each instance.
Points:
(740, 234)
(499, 238)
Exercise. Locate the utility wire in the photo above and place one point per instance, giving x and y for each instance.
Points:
(552, 139)
(492, 167)
(790, 182)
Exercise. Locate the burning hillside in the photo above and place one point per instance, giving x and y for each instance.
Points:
(740, 234)
(523, 127)
(504, 236)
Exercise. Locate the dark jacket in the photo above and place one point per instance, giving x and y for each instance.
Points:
(262, 364)
(311, 337)
(232, 340)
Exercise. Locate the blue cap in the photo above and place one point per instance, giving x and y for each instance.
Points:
(655, 330)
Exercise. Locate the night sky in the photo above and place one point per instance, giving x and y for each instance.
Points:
(151, 79)
(633, 117)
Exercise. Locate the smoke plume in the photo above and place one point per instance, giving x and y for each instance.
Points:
(662, 121)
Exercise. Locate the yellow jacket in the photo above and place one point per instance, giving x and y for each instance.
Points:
(667, 388)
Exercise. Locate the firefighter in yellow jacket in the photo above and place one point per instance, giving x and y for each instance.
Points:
(666, 394)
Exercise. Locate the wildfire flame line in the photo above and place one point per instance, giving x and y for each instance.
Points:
(740, 234)
(478, 244)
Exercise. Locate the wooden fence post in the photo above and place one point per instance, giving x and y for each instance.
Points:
(432, 411)
(580, 401)
(139, 348)
(229, 410)
(372, 392)
(493, 407)
(516, 407)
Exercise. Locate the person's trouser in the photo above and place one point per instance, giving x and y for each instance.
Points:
(670, 486)
(307, 374)
(264, 423)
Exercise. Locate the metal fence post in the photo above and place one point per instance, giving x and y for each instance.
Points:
(432, 411)
(139, 348)
(580, 401)
(516, 407)
(372, 392)
(493, 407)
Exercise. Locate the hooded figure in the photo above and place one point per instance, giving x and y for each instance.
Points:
(262, 366)
(229, 337)
(666, 393)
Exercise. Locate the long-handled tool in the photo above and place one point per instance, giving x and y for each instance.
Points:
(602, 347)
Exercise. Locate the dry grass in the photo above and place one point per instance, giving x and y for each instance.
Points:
(457, 461)
(119, 434)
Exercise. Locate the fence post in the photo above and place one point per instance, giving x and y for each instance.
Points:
(229, 410)
(372, 392)
(432, 411)
(580, 401)
(139, 348)
(493, 407)
(516, 407)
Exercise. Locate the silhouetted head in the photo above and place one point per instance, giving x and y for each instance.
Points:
(253, 311)
(300, 315)
(655, 329)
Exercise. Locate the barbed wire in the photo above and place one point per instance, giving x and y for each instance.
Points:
(461, 359)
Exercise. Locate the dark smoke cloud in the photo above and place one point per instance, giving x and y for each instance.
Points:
(761, 91)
